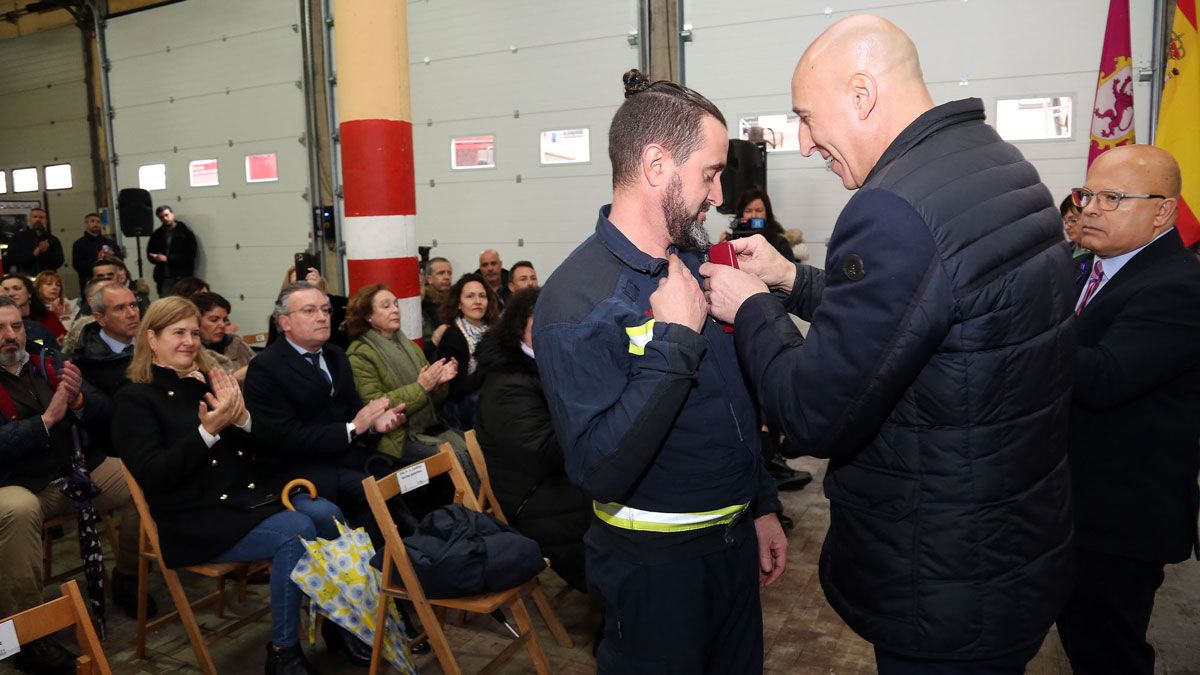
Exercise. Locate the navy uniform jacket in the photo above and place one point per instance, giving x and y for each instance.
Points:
(650, 415)
(936, 377)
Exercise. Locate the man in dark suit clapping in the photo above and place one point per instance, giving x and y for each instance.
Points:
(1135, 413)
(307, 414)
(310, 422)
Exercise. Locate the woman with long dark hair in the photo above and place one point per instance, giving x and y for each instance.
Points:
(470, 307)
(754, 203)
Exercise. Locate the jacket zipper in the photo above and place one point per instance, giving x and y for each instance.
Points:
(736, 424)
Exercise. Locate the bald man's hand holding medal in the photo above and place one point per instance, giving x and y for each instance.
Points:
(758, 267)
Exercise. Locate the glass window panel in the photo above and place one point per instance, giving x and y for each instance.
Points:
(25, 180)
(781, 132)
(1033, 118)
(58, 177)
(152, 176)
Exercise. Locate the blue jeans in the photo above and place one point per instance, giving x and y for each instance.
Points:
(276, 538)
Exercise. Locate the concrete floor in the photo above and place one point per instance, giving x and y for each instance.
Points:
(802, 635)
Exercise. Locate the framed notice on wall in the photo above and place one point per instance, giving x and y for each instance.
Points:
(566, 146)
(203, 173)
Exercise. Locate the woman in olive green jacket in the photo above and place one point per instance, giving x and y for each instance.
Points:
(386, 363)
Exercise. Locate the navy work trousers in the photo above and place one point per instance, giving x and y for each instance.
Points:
(691, 616)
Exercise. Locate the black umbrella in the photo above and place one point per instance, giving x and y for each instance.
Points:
(80, 489)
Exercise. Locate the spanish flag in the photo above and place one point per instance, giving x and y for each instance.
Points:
(1179, 116)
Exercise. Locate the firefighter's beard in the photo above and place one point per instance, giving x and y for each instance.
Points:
(684, 227)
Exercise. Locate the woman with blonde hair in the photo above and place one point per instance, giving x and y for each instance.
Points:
(184, 434)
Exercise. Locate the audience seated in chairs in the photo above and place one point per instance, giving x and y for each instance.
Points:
(41, 399)
(524, 459)
(337, 304)
(470, 307)
(20, 289)
(228, 350)
(185, 435)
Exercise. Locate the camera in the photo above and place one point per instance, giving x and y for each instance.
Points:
(746, 227)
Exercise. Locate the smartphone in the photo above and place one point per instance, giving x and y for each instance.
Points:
(305, 261)
(722, 253)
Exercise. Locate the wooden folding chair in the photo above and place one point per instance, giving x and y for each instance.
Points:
(51, 617)
(489, 504)
(110, 528)
(430, 610)
(150, 551)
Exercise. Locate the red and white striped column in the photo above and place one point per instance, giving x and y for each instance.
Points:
(375, 109)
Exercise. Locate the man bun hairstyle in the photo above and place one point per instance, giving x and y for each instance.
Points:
(663, 112)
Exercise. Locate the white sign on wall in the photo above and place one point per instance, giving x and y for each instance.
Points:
(566, 146)
(203, 173)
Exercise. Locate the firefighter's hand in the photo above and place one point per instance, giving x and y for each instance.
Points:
(679, 298)
(727, 288)
(772, 549)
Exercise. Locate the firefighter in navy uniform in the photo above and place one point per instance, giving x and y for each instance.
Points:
(652, 411)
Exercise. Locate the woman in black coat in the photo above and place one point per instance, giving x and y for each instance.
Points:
(470, 307)
(183, 430)
(524, 459)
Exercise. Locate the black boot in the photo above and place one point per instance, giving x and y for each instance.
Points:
(288, 661)
(124, 593)
(410, 630)
(45, 657)
(338, 639)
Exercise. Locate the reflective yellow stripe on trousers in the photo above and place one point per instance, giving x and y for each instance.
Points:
(629, 518)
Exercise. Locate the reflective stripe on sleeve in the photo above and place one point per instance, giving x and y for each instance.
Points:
(639, 337)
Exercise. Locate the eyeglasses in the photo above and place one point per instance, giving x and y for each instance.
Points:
(1109, 199)
(311, 310)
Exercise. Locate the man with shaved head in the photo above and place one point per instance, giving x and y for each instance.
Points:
(932, 375)
(493, 272)
(1135, 411)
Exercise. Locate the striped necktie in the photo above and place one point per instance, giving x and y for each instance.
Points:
(1093, 284)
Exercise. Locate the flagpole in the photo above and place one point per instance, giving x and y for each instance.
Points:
(1158, 60)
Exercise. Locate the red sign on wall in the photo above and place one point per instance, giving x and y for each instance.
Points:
(262, 168)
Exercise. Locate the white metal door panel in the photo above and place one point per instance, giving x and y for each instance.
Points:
(219, 79)
(44, 120)
(564, 73)
(742, 58)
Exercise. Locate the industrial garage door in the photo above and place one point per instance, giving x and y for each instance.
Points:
(742, 56)
(500, 77)
(210, 117)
